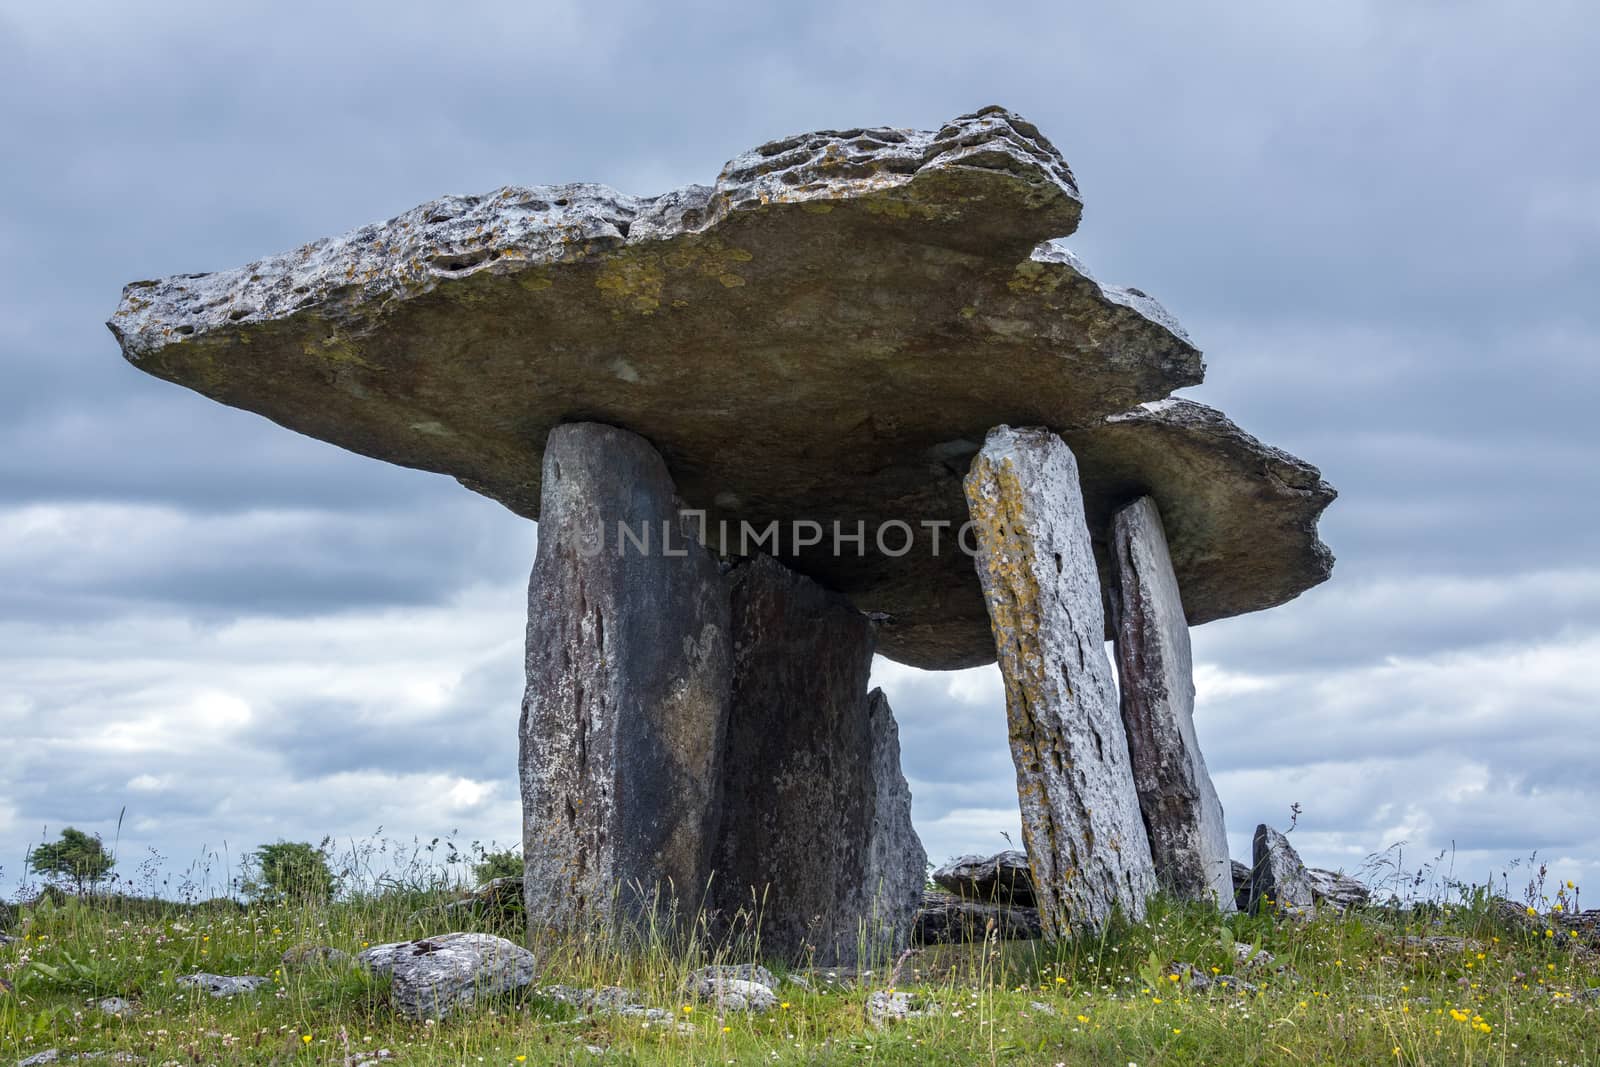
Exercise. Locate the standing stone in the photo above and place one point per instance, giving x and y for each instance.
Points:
(1182, 814)
(1278, 877)
(1080, 813)
(816, 834)
(626, 707)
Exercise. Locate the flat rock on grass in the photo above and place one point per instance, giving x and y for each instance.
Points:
(884, 1007)
(222, 985)
(735, 987)
(435, 976)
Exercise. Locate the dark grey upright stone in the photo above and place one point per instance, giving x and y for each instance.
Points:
(1182, 814)
(816, 832)
(626, 706)
(1081, 824)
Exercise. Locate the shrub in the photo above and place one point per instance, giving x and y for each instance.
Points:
(77, 857)
(289, 872)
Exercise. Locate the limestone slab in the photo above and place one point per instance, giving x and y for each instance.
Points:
(1155, 669)
(1081, 824)
(816, 834)
(824, 333)
(626, 707)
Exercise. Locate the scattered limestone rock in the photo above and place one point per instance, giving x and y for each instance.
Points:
(1441, 944)
(221, 985)
(744, 972)
(119, 1007)
(1221, 983)
(1252, 958)
(1003, 878)
(946, 919)
(1337, 890)
(1334, 888)
(743, 987)
(434, 976)
(608, 1000)
(51, 1055)
(884, 1007)
(1278, 877)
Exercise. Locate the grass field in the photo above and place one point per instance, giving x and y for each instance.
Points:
(1468, 982)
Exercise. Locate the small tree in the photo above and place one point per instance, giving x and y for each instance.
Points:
(78, 857)
(290, 872)
(505, 864)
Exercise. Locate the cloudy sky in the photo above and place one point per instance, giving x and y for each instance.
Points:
(1381, 221)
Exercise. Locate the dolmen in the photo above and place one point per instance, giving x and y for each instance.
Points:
(856, 396)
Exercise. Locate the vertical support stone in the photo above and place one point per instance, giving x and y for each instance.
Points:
(1277, 876)
(1182, 814)
(1080, 813)
(628, 672)
(816, 835)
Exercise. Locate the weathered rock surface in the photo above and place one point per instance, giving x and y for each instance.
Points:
(223, 985)
(947, 919)
(51, 1055)
(816, 832)
(1239, 516)
(1277, 875)
(741, 972)
(750, 329)
(1003, 878)
(1155, 669)
(1337, 890)
(628, 671)
(118, 1007)
(1241, 884)
(1081, 825)
(735, 988)
(894, 1006)
(435, 976)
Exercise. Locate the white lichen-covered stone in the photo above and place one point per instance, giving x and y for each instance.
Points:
(1182, 813)
(433, 977)
(224, 985)
(1081, 824)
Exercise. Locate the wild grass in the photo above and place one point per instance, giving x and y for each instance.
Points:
(1356, 988)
